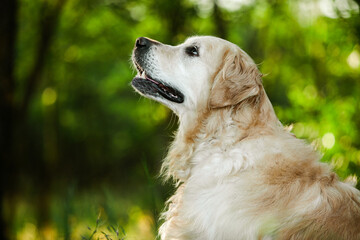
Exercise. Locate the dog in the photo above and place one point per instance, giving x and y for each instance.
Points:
(239, 173)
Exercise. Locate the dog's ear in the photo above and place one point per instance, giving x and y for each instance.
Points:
(236, 81)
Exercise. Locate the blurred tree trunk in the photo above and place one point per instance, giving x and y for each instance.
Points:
(174, 15)
(220, 23)
(357, 22)
(8, 29)
(42, 168)
(50, 12)
(12, 115)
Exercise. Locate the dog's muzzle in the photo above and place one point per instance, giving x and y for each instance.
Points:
(146, 84)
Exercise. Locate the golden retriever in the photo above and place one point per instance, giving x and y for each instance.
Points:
(239, 173)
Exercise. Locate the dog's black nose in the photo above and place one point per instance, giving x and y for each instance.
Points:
(142, 42)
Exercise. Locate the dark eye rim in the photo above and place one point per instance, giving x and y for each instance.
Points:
(192, 51)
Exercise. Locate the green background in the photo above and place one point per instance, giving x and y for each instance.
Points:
(77, 141)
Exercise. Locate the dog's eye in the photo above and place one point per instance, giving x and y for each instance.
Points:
(192, 51)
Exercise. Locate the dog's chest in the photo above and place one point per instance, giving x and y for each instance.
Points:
(220, 158)
(217, 193)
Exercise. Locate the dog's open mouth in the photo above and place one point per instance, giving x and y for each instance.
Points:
(147, 85)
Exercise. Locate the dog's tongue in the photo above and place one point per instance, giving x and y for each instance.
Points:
(151, 80)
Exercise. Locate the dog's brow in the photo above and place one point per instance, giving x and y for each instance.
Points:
(195, 44)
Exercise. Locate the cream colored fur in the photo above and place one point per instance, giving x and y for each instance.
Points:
(239, 173)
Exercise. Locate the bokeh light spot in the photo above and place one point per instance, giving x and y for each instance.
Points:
(310, 92)
(353, 59)
(328, 140)
(72, 54)
(49, 96)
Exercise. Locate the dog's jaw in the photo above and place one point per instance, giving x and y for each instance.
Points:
(155, 88)
(152, 87)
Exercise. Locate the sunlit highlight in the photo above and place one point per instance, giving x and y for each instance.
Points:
(353, 59)
(49, 96)
(328, 140)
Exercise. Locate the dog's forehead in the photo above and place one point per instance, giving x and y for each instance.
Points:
(207, 40)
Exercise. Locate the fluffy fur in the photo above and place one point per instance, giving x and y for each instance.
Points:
(239, 173)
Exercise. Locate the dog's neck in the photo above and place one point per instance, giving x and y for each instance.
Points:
(241, 120)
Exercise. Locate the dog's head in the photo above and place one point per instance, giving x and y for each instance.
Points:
(203, 72)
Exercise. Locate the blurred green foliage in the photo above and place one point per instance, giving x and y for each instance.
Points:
(83, 142)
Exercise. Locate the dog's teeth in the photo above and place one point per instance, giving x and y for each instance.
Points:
(142, 74)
